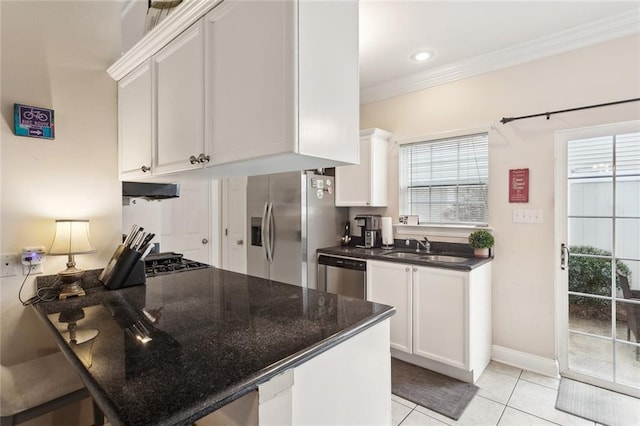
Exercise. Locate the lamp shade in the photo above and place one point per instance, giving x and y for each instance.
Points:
(72, 237)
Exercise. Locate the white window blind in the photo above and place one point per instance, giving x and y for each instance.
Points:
(446, 180)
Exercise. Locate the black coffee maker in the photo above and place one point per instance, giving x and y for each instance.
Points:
(370, 229)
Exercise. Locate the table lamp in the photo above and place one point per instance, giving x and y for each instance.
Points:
(71, 238)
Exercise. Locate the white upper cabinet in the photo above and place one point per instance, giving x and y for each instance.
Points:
(253, 87)
(134, 123)
(179, 80)
(250, 95)
(365, 184)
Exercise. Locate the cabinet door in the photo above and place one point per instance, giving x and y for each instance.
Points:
(390, 283)
(440, 315)
(179, 77)
(250, 80)
(353, 183)
(365, 184)
(134, 123)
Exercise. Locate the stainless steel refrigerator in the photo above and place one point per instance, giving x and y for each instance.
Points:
(289, 216)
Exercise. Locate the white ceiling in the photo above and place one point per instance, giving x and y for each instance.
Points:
(474, 35)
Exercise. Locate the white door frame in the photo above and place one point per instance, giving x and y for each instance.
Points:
(560, 232)
(234, 205)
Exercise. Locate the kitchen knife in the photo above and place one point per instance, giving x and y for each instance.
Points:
(135, 245)
(130, 236)
(147, 239)
(135, 237)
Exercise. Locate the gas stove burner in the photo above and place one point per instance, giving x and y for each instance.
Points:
(167, 263)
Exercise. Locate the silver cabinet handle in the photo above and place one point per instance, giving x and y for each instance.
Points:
(145, 169)
(205, 241)
(407, 269)
(193, 160)
(203, 158)
(415, 269)
(239, 242)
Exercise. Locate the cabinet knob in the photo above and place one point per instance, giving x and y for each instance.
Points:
(203, 158)
(193, 160)
(145, 169)
(205, 241)
(415, 269)
(407, 269)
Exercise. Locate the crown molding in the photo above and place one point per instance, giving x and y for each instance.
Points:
(174, 24)
(616, 26)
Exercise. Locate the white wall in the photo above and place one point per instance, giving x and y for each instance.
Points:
(54, 54)
(523, 274)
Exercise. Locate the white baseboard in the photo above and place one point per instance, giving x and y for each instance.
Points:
(526, 361)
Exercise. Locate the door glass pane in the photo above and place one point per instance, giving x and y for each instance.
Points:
(627, 321)
(591, 355)
(588, 158)
(591, 197)
(628, 238)
(628, 364)
(590, 315)
(593, 232)
(588, 274)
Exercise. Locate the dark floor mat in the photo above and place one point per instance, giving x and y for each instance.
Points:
(437, 392)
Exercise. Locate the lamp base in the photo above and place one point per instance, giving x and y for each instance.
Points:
(80, 336)
(71, 279)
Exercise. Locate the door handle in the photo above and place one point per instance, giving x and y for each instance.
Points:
(564, 256)
(270, 233)
(263, 231)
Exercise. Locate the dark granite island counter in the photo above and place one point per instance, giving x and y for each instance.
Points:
(186, 344)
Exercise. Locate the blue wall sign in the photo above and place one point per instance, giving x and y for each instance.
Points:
(33, 121)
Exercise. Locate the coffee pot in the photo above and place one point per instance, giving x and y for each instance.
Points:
(370, 229)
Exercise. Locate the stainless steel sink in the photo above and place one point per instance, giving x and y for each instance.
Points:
(403, 255)
(444, 258)
(427, 257)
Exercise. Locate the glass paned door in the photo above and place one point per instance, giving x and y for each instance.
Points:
(599, 321)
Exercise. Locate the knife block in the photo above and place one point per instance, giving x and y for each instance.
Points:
(124, 269)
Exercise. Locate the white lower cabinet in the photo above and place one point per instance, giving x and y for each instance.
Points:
(443, 316)
(390, 283)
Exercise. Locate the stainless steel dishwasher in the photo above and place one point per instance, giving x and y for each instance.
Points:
(342, 275)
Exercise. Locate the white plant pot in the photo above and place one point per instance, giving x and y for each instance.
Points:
(481, 252)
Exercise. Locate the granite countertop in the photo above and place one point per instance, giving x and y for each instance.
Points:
(215, 336)
(437, 248)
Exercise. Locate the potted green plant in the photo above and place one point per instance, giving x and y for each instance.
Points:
(481, 241)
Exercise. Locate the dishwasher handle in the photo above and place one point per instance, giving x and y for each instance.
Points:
(342, 262)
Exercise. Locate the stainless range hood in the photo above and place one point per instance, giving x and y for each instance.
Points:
(151, 191)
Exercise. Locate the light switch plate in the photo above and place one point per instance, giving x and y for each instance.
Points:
(527, 216)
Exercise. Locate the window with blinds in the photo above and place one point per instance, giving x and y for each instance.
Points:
(446, 181)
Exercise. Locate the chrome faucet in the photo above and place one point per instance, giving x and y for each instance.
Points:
(426, 244)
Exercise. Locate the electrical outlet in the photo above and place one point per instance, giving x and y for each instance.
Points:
(9, 262)
(35, 269)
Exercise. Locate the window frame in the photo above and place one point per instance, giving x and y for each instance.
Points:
(434, 138)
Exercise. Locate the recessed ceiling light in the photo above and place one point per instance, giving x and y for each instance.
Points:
(421, 56)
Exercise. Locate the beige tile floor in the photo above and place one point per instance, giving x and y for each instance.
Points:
(507, 396)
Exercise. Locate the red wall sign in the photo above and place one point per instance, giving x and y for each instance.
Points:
(519, 185)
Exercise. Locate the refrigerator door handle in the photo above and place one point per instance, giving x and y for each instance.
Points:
(270, 233)
(263, 230)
